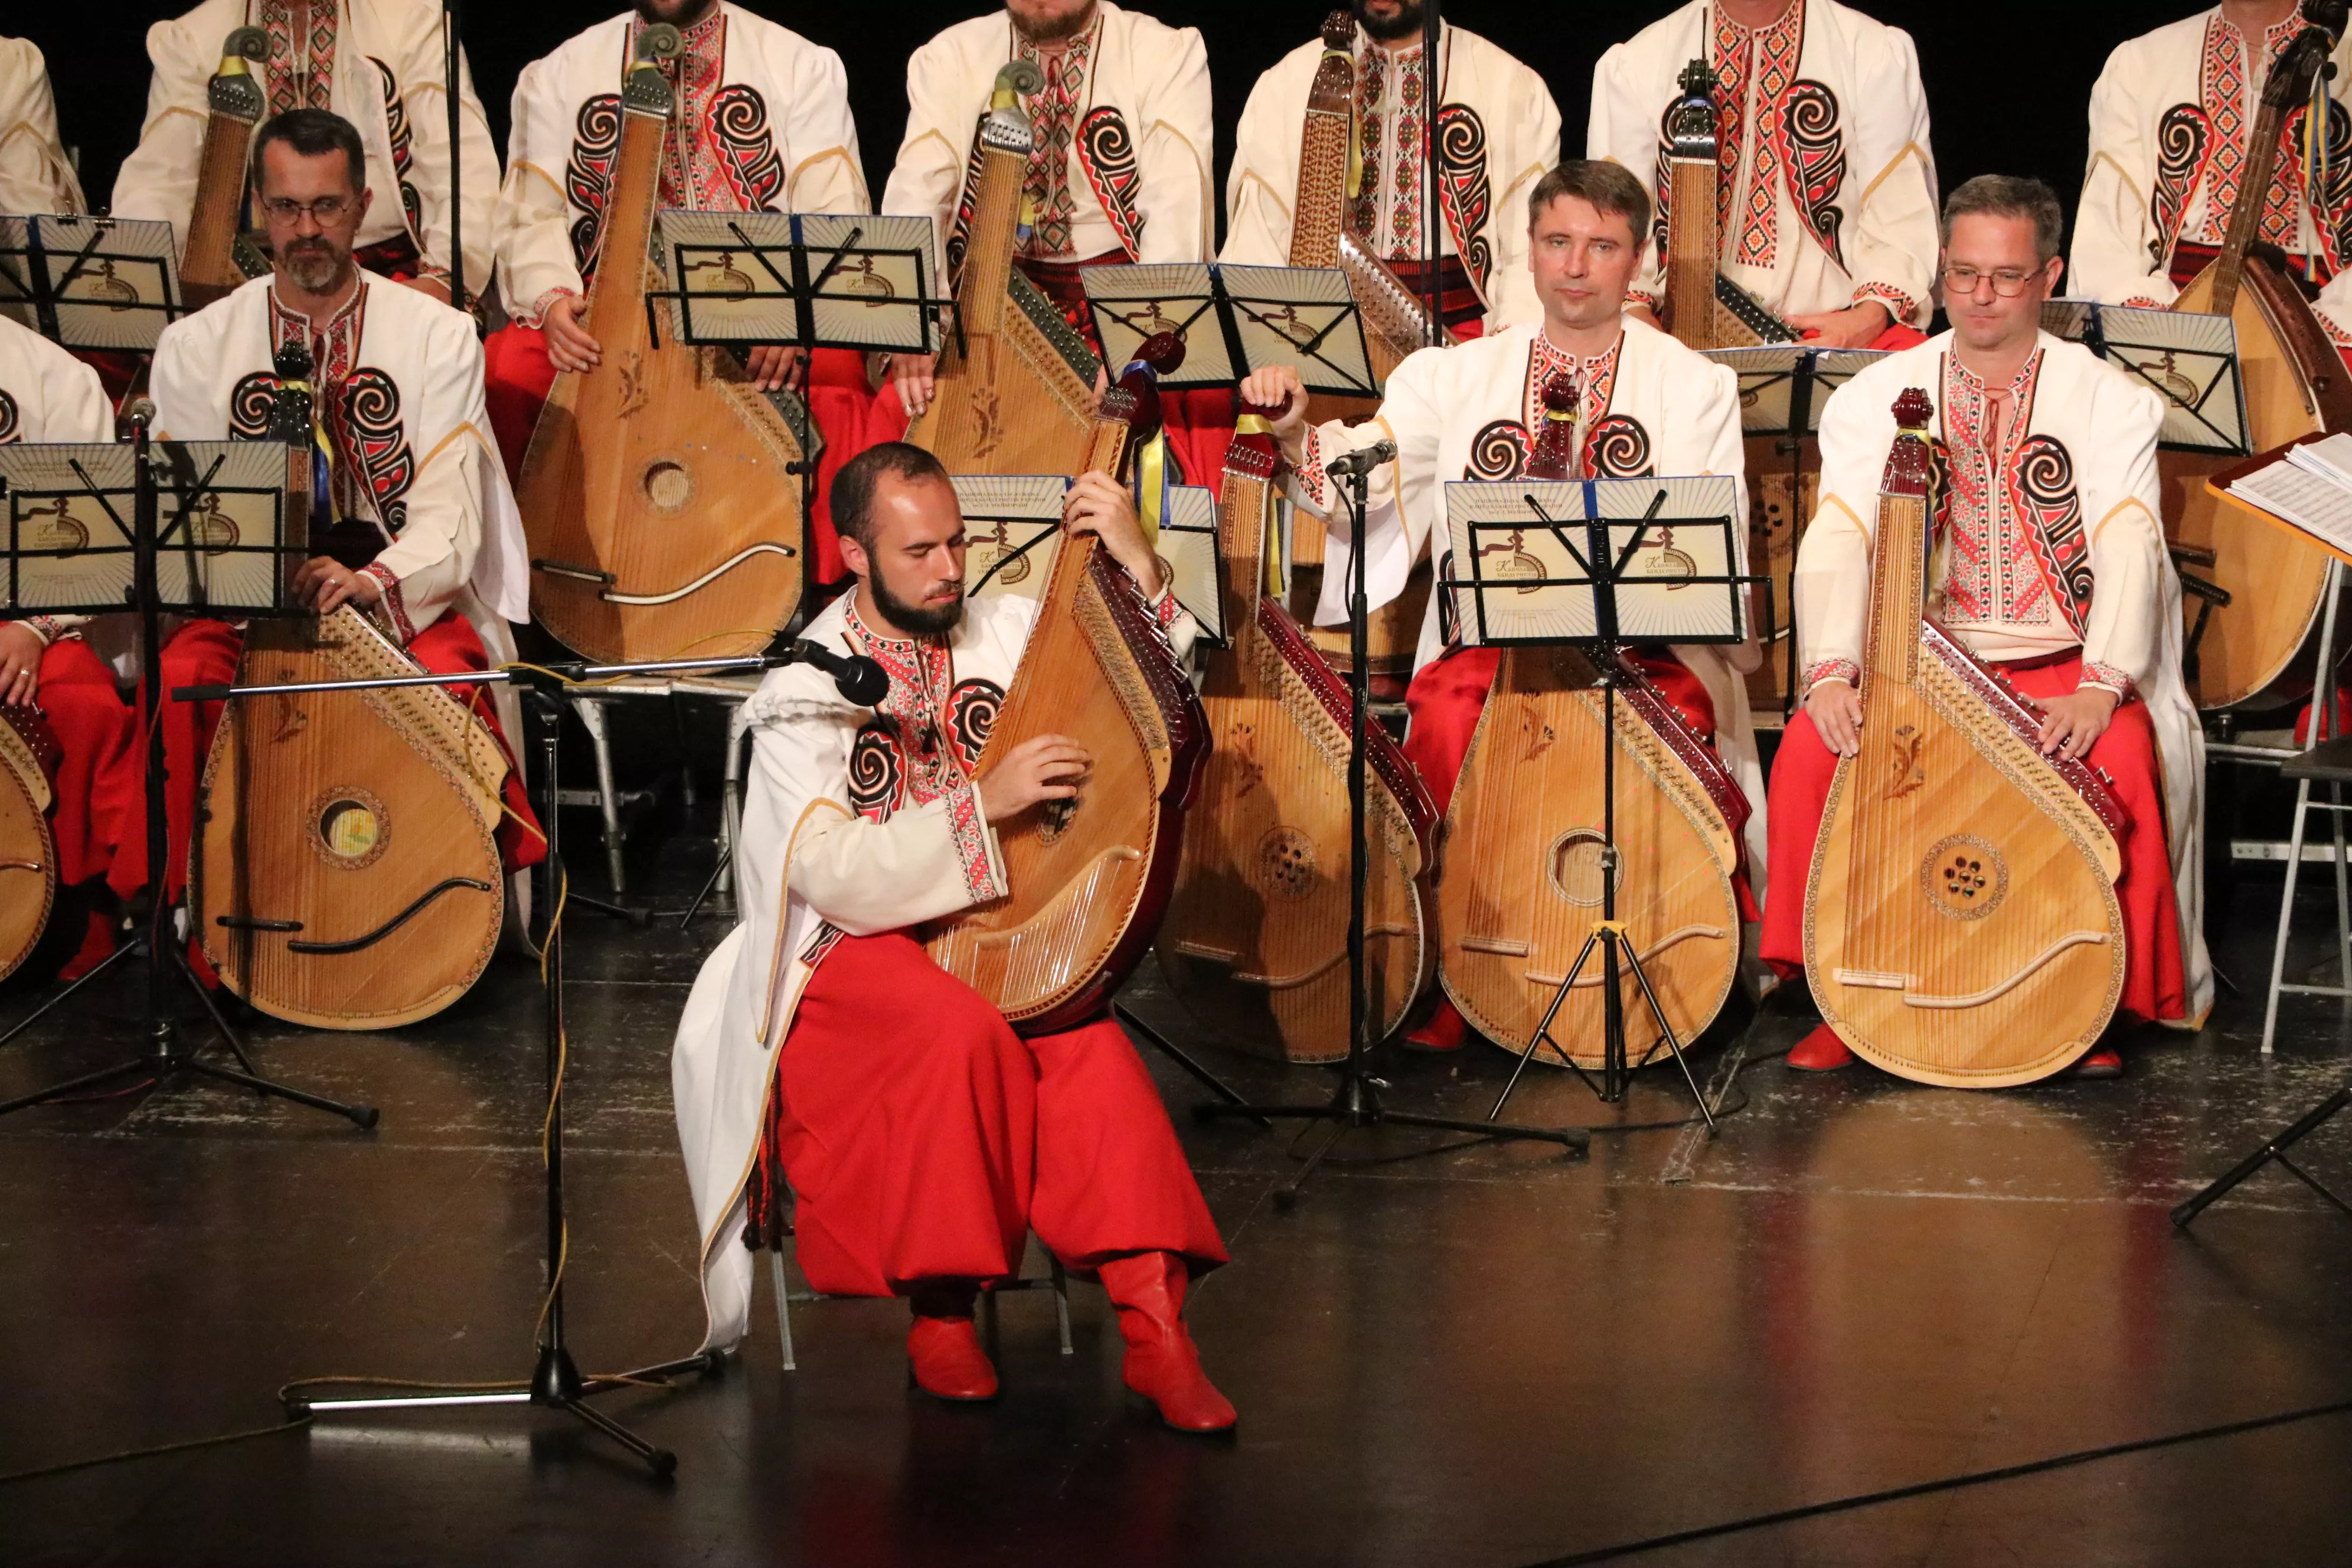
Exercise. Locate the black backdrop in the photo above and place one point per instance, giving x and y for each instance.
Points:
(2008, 80)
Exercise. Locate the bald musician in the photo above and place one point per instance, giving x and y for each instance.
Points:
(34, 175)
(412, 475)
(2055, 574)
(2170, 117)
(378, 64)
(1499, 135)
(47, 395)
(1827, 197)
(824, 1056)
(1124, 141)
(1649, 406)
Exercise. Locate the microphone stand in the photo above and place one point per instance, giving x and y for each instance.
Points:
(450, 64)
(1356, 1102)
(1433, 37)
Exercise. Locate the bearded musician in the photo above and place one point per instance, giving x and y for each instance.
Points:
(47, 395)
(411, 466)
(759, 122)
(1120, 169)
(380, 65)
(2054, 572)
(824, 1056)
(1499, 133)
(1649, 406)
(2169, 121)
(1827, 197)
(34, 175)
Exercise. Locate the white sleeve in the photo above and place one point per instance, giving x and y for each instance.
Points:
(1263, 184)
(1831, 582)
(1898, 227)
(33, 175)
(2113, 224)
(821, 138)
(1624, 129)
(929, 174)
(1534, 149)
(158, 180)
(2123, 640)
(1173, 163)
(424, 572)
(534, 221)
(423, 89)
(1399, 495)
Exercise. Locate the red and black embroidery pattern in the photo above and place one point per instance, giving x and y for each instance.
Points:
(9, 419)
(301, 67)
(364, 425)
(1107, 152)
(588, 174)
(1499, 451)
(1468, 196)
(747, 147)
(395, 120)
(1816, 152)
(1617, 448)
(876, 776)
(2184, 141)
(972, 708)
(2041, 481)
(250, 403)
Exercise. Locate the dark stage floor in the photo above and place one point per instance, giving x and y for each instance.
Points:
(1486, 1357)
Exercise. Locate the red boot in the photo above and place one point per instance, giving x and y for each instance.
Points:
(1447, 1030)
(1821, 1051)
(1161, 1363)
(943, 1350)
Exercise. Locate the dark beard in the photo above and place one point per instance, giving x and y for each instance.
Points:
(1406, 23)
(683, 14)
(1061, 31)
(915, 620)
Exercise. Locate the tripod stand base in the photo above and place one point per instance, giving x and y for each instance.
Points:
(2276, 1149)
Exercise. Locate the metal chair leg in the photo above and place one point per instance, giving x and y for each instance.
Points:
(592, 719)
(783, 1306)
(730, 794)
(2286, 912)
(1061, 1303)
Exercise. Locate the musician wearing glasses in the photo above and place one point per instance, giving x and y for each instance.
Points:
(1827, 197)
(1500, 133)
(407, 479)
(2053, 570)
(34, 176)
(1645, 405)
(380, 65)
(825, 1061)
(2170, 118)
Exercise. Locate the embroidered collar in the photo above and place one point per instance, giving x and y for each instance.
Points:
(333, 342)
(1596, 373)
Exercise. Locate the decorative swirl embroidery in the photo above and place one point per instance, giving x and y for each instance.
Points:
(1661, 206)
(959, 237)
(2045, 493)
(250, 403)
(588, 176)
(2183, 137)
(1107, 155)
(1617, 448)
(1462, 174)
(1817, 162)
(9, 418)
(972, 708)
(367, 415)
(395, 120)
(1499, 451)
(746, 147)
(875, 771)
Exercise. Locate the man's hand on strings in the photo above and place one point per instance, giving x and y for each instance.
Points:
(1277, 387)
(1100, 505)
(776, 367)
(1044, 767)
(324, 583)
(1835, 709)
(20, 663)
(2072, 725)
(911, 374)
(569, 346)
(1856, 327)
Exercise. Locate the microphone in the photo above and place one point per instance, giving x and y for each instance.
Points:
(141, 410)
(1363, 459)
(858, 678)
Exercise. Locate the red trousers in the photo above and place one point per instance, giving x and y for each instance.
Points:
(2154, 984)
(519, 374)
(925, 1139)
(96, 733)
(204, 653)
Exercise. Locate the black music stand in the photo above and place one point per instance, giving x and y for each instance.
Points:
(68, 547)
(1599, 602)
(1014, 521)
(90, 282)
(1305, 318)
(1356, 1102)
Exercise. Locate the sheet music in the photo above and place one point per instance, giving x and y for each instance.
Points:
(1768, 383)
(103, 283)
(865, 276)
(65, 524)
(1012, 525)
(1188, 549)
(2190, 360)
(2320, 506)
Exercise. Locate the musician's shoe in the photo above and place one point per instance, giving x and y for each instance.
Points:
(943, 1353)
(1821, 1051)
(1446, 1030)
(1161, 1363)
(2105, 1061)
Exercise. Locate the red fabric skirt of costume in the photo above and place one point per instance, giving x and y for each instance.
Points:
(204, 653)
(2153, 984)
(95, 731)
(924, 1139)
(518, 374)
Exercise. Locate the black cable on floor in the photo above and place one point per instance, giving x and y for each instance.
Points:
(1950, 1483)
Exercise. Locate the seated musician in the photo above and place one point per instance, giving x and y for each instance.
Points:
(1497, 106)
(1650, 406)
(2055, 573)
(1120, 172)
(766, 122)
(47, 395)
(34, 175)
(1829, 207)
(821, 1047)
(380, 66)
(411, 467)
(2150, 219)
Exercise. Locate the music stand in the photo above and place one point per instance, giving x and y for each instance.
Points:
(815, 280)
(82, 535)
(1011, 523)
(2190, 360)
(1303, 317)
(1594, 567)
(90, 282)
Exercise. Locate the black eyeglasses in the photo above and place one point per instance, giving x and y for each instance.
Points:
(323, 211)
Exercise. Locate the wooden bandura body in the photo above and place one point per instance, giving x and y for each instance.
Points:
(1013, 388)
(1088, 877)
(1961, 924)
(209, 263)
(28, 850)
(1255, 938)
(2253, 651)
(661, 493)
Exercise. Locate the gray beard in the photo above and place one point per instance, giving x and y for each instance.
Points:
(317, 274)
